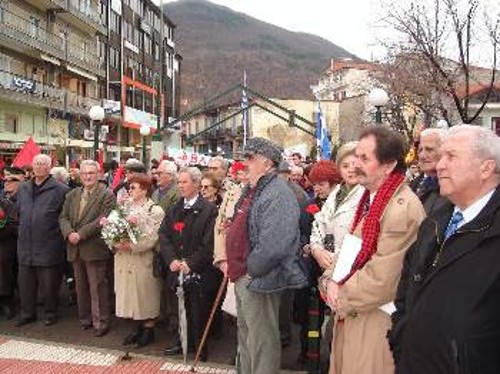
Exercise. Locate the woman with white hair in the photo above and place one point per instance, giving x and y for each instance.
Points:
(60, 174)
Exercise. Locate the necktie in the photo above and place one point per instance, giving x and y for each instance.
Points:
(456, 218)
(83, 202)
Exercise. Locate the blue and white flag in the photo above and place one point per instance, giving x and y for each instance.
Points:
(322, 141)
(244, 105)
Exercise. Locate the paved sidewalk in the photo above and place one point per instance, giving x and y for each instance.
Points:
(34, 356)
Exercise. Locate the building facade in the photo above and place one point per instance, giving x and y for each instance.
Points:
(58, 58)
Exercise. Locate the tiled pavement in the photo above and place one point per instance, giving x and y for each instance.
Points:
(28, 356)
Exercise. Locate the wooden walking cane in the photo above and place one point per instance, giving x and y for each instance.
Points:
(209, 323)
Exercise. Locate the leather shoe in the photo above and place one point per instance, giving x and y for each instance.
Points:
(49, 321)
(173, 350)
(24, 321)
(101, 332)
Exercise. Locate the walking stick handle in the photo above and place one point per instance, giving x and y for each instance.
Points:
(209, 322)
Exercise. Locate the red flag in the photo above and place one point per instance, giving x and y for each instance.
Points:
(26, 154)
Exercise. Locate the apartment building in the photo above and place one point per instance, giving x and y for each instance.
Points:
(58, 58)
(143, 69)
(50, 71)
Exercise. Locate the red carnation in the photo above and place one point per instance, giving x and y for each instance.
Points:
(312, 209)
(2, 214)
(179, 226)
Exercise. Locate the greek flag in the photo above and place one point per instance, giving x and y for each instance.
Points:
(322, 141)
(244, 105)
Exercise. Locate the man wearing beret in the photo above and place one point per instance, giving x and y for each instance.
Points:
(13, 177)
(262, 248)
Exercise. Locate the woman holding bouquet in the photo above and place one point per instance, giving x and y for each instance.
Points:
(137, 290)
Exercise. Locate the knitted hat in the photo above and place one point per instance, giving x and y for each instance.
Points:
(264, 147)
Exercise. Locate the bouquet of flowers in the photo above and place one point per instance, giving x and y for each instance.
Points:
(120, 225)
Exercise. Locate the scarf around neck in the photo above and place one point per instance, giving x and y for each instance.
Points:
(371, 225)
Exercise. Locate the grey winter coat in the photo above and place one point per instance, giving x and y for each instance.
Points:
(40, 242)
(273, 228)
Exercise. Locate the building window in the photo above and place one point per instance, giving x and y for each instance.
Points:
(34, 27)
(156, 51)
(147, 44)
(115, 24)
(114, 58)
(11, 123)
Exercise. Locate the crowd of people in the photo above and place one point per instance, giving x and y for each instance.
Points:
(397, 261)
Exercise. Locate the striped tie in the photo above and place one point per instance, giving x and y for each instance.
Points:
(456, 218)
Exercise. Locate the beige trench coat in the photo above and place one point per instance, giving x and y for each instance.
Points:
(137, 290)
(359, 345)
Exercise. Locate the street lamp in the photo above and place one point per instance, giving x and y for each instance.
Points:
(378, 98)
(96, 114)
(144, 131)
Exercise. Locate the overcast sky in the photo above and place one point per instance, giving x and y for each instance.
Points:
(346, 23)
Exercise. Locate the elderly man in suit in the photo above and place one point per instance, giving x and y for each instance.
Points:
(448, 306)
(79, 221)
(361, 289)
(40, 245)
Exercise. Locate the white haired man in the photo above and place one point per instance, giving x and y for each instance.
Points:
(86, 250)
(448, 309)
(187, 246)
(40, 246)
(426, 185)
(166, 193)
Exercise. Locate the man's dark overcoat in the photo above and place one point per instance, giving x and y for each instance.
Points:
(448, 315)
(40, 241)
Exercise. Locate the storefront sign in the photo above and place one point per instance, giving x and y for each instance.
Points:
(24, 84)
(140, 117)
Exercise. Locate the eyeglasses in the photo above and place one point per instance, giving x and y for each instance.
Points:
(132, 188)
(205, 186)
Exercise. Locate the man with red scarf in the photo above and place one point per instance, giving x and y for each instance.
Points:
(384, 227)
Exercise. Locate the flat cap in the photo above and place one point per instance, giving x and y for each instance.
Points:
(264, 147)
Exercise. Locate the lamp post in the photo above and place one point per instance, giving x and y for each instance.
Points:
(378, 98)
(96, 114)
(144, 131)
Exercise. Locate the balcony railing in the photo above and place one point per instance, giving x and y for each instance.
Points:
(84, 9)
(19, 88)
(85, 59)
(15, 29)
(27, 32)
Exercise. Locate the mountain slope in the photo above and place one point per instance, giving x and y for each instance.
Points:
(217, 44)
